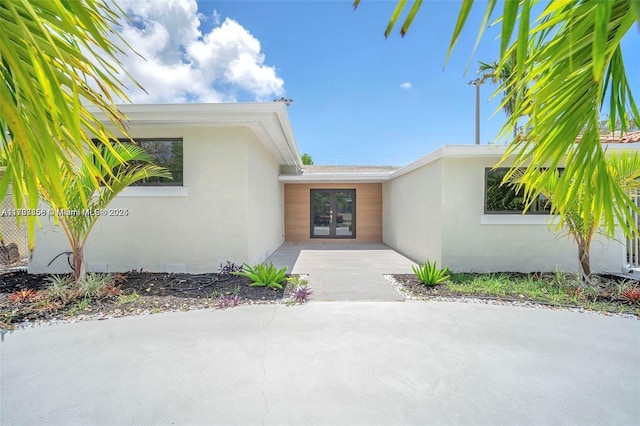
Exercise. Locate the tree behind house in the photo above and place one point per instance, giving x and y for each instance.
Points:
(306, 159)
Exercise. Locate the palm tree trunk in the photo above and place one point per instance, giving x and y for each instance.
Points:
(583, 258)
(79, 266)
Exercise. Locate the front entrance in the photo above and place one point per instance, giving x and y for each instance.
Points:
(333, 213)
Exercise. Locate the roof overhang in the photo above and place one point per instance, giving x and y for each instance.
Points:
(480, 151)
(268, 121)
(334, 178)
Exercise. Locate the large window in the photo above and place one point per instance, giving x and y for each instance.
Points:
(166, 152)
(504, 199)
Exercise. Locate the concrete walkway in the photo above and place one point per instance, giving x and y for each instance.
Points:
(345, 271)
(330, 363)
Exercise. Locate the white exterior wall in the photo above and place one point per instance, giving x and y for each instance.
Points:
(412, 213)
(186, 229)
(265, 204)
(475, 242)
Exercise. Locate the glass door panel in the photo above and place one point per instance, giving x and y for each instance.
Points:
(320, 214)
(344, 213)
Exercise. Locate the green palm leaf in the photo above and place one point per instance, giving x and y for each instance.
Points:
(120, 165)
(573, 65)
(55, 55)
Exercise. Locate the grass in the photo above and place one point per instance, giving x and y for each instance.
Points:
(78, 307)
(128, 298)
(503, 285)
(557, 289)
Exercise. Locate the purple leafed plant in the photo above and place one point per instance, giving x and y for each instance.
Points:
(229, 268)
(228, 301)
(302, 294)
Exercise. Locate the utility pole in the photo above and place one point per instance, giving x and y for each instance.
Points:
(477, 82)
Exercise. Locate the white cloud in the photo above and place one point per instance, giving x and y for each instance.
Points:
(216, 18)
(183, 64)
(406, 85)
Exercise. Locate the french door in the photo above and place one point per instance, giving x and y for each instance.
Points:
(333, 213)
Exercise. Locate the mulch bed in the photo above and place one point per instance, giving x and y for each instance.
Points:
(156, 292)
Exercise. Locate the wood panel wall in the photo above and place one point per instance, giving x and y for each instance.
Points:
(297, 213)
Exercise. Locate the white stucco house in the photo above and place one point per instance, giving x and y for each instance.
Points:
(240, 191)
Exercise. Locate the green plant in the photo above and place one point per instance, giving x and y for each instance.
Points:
(296, 282)
(57, 58)
(128, 298)
(264, 275)
(80, 305)
(47, 305)
(569, 67)
(116, 167)
(306, 159)
(216, 293)
(429, 274)
(60, 288)
(581, 218)
(562, 279)
(94, 285)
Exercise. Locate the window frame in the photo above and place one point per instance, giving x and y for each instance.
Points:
(172, 183)
(488, 170)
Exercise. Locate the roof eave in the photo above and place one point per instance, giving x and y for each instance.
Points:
(268, 121)
(334, 178)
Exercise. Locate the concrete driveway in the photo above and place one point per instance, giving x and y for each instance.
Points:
(345, 271)
(331, 363)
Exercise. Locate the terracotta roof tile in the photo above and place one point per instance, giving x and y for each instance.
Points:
(630, 137)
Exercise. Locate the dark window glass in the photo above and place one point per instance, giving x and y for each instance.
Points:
(166, 153)
(504, 199)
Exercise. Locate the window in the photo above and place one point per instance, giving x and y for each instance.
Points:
(504, 199)
(166, 153)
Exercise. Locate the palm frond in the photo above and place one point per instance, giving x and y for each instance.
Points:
(55, 55)
(124, 164)
(568, 63)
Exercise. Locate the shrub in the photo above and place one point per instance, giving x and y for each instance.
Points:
(23, 296)
(631, 294)
(228, 301)
(302, 294)
(296, 282)
(60, 288)
(429, 274)
(128, 298)
(264, 275)
(94, 285)
(229, 268)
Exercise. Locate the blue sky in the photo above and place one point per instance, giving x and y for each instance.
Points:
(345, 78)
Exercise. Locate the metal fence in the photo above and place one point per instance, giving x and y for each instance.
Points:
(633, 244)
(13, 235)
